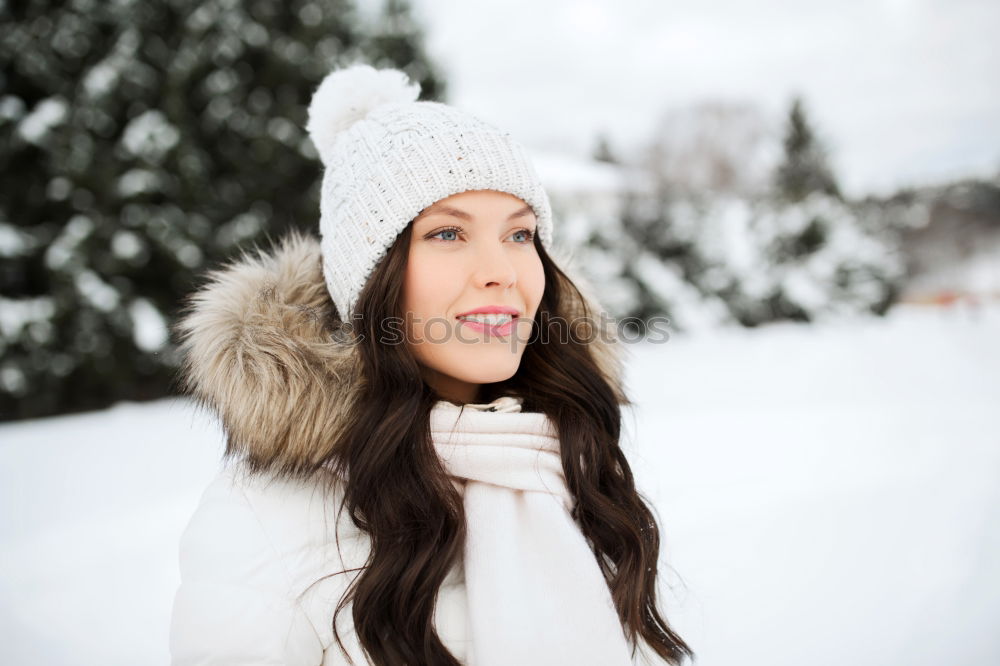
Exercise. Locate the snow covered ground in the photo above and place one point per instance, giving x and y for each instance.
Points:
(827, 495)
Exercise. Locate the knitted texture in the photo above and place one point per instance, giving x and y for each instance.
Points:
(387, 163)
(525, 559)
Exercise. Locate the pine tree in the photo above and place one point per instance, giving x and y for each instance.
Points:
(804, 168)
(141, 143)
(603, 152)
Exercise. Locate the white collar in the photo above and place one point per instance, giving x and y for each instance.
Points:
(503, 404)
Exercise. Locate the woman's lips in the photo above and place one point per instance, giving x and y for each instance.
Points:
(501, 329)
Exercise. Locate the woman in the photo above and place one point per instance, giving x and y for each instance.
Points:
(422, 421)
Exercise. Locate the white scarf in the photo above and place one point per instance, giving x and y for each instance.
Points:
(536, 593)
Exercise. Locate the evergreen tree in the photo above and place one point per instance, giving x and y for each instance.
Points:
(140, 143)
(804, 169)
(603, 152)
(711, 255)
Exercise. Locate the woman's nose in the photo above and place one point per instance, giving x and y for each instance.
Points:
(494, 267)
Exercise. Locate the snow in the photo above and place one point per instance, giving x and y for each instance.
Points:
(11, 107)
(62, 250)
(827, 494)
(150, 135)
(104, 76)
(697, 311)
(830, 495)
(15, 314)
(126, 244)
(88, 559)
(96, 291)
(13, 241)
(12, 380)
(149, 326)
(138, 181)
(49, 112)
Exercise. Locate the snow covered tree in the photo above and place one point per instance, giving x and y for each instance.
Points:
(644, 266)
(141, 142)
(835, 268)
(710, 245)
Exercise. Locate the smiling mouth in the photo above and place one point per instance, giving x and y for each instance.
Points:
(487, 319)
(495, 324)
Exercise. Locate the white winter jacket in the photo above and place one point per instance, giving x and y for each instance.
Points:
(262, 574)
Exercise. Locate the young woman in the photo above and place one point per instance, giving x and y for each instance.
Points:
(422, 414)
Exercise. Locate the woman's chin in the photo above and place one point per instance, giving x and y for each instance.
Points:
(486, 372)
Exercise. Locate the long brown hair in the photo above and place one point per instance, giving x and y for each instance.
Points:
(399, 493)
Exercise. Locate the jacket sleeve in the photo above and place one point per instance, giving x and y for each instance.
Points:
(235, 603)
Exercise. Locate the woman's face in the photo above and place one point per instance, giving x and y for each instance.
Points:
(470, 252)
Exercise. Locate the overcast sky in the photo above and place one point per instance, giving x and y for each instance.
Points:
(902, 91)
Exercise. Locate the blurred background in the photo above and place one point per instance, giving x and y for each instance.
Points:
(809, 192)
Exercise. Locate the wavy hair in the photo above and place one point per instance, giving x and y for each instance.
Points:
(399, 493)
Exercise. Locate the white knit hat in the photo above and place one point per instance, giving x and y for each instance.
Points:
(388, 156)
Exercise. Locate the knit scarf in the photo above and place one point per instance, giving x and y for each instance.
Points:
(536, 593)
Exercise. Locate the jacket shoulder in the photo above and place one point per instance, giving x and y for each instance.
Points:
(254, 558)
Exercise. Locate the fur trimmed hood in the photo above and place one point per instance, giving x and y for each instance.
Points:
(257, 347)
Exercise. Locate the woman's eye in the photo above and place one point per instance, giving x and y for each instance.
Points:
(527, 233)
(446, 231)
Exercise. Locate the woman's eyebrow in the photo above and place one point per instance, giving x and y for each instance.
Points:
(461, 214)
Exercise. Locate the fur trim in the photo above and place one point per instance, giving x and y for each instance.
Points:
(258, 349)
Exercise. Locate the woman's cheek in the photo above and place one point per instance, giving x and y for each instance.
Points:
(535, 282)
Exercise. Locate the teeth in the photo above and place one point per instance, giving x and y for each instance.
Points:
(488, 319)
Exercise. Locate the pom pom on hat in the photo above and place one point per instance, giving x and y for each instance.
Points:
(347, 95)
